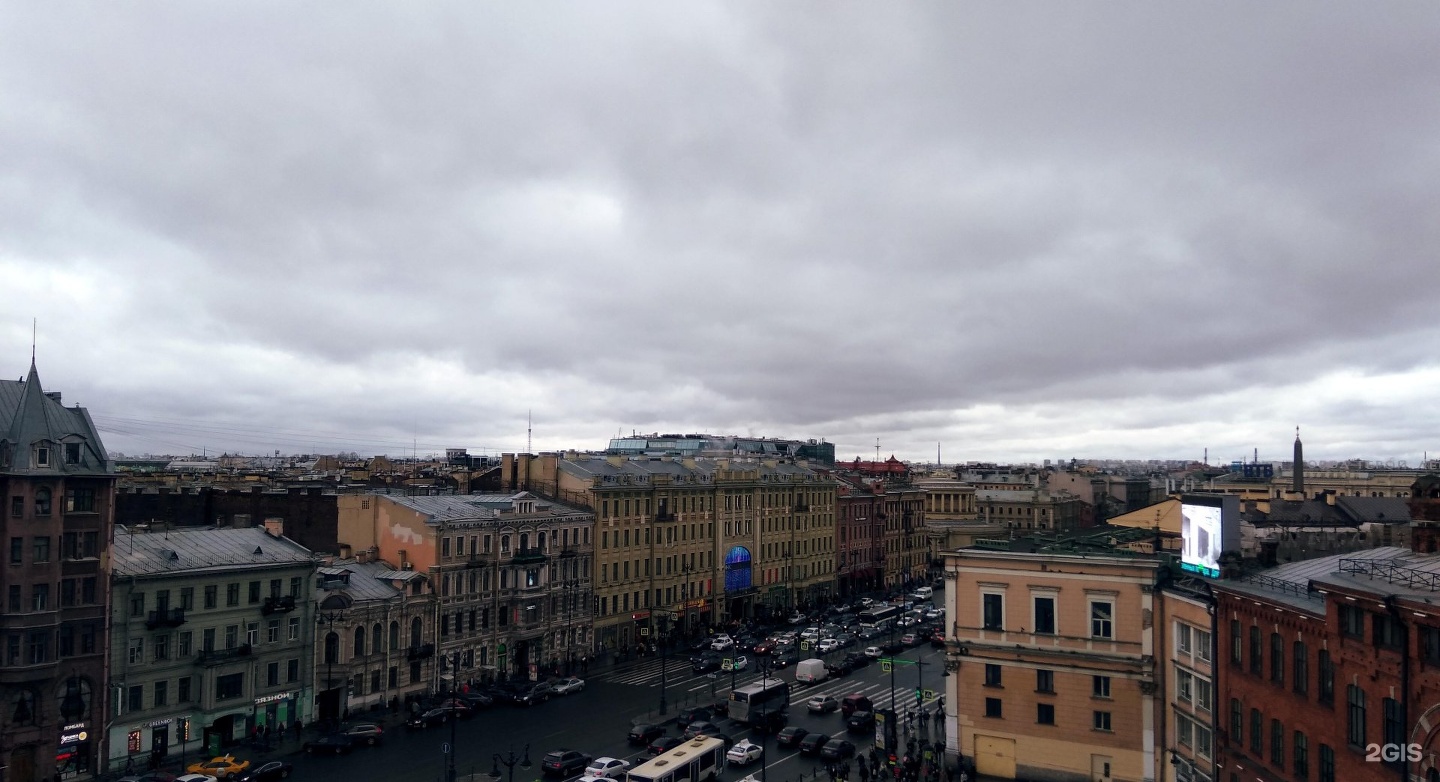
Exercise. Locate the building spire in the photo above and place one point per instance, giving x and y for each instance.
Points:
(1297, 483)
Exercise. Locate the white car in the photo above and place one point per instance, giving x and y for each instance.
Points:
(195, 778)
(867, 601)
(722, 643)
(739, 662)
(810, 634)
(607, 768)
(874, 652)
(744, 753)
(906, 621)
(567, 686)
(829, 645)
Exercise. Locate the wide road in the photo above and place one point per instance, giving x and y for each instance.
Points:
(596, 722)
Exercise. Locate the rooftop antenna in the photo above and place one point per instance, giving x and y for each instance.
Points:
(529, 431)
(34, 328)
(877, 450)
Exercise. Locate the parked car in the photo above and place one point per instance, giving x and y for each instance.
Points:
(693, 714)
(367, 733)
(220, 767)
(608, 767)
(268, 772)
(860, 721)
(812, 742)
(646, 732)
(331, 744)
(874, 652)
(539, 693)
(664, 744)
(744, 753)
(428, 719)
(568, 685)
(194, 778)
(839, 749)
(474, 699)
(790, 736)
(564, 763)
(822, 704)
(149, 776)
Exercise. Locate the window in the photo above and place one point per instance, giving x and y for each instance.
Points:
(252, 633)
(1387, 632)
(1202, 644)
(1277, 659)
(42, 548)
(272, 674)
(992, 707)
(42, 497)
(1277, 743)
(1256, 666)
(40, 597)
(1352, 621)
(136, 701)
(1184, 685)
(1045, 615)
(272, 631)
(1045, 713)
(207, 639)
(72, 453)
(232, 595)
(1101, 720)
(293, 633)
(211, 596)
(292, 671)
(1430, 645)
(137, 604)
(80, 500)
(1391, 727)
(1183, 640)
(1100, 686)
(17, 551)
(182, 690)
(254, 590)
(162, 693)
(17, 599)
(1044, 680)
(1237, 721)
(1300, 752)
(229, 686)
(1257, 728)
(1301, 663)
(1102, 619)
(992, 675)
(161, 647)
(1204, 694)
(232, 636)
(1184, 730)
(296, 584)
(993, 611)
(1236, 648)
(1327, 764)
(17, 506)
(1355, 716)
(184, 645)
(87, 591)
(1325, 684)
(187, 598)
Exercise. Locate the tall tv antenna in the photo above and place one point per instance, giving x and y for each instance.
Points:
(529, 431)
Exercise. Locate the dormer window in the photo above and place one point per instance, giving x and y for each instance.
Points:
(42, 457)
(72, 453)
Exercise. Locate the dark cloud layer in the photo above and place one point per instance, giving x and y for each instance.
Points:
(1019, 231)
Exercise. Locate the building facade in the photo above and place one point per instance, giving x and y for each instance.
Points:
(907, 547)
(1052, 662)
(211, 635)
(59, 494)
(1033, 509)
(1186, 619)
(859, 536)
(512, 575)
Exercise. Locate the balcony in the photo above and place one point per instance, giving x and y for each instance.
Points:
(569, 551)
(475, 560)
(165, 617)
(278, 605)
(527, 556)
(421, 652)
(802, 507)
(219, 656)
(664, 516)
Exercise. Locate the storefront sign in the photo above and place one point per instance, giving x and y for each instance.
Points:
(159, 723)
(638, 615)
(73, 734)
(281, 696)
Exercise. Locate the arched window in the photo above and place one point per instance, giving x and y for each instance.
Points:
(394, 635)
(524, 540)
(375, 645)
(42, 501)
(415, 634)
(332, 647)
(23, 710)
(359, 642)
(541, 542)
(73, 697)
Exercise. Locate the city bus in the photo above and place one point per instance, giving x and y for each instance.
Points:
(877, 616)
(700, 759)
(757, 701)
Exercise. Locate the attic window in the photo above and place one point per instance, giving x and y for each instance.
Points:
(72, 453)
(42, 457)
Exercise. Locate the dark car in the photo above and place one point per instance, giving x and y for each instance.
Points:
(148, 776)
(785, 657)
(664, 744)
(791, 736)
(564, 763)
(693, 714)
(475, 699)
(428, 719)
(367, 733)
(892, 647)
(812, 743)
(538, 693)
(331, 744)
(838, 749)
(705, 663)
(860, 721)
(267, 772)
(765, 647)
(646, 732)
(937, 639)
(698, 727)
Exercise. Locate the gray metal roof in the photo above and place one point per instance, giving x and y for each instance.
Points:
(180, 551)
(1290, 583)
(641, 469)
(368, 580)
(29, 416)
(474, 507)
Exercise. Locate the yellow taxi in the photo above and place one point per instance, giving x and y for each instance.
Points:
(221, 767)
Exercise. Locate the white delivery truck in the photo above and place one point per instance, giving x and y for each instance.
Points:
(810, 671)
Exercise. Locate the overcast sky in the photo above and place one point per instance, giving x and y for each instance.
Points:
(1015, 231)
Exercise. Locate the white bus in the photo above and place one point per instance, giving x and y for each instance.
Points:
(757, 701)
(878, 616)
(700, 759)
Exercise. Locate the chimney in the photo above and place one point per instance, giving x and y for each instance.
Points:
(275, 527)
(344, 550)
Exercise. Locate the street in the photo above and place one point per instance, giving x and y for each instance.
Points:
(596, 722)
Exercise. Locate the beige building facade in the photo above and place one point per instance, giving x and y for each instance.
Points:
(1052, 661)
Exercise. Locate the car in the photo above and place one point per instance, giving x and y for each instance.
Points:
(855, 702)
(564, 763)
(810, 634)
(367, 733)
(429, 719)
(910, 639)
(693, 714)
(847, 640)
(744, 753)
(739, 662)
(721, 643)
(892, 647)
(220, 767)
(330, 744)
(937, 639)
(868, 634)
(194, 778)
(812, 743)
(475, 699)
(790, 736)
(706, 663)
(569, 685)
(607, 767)
(539, 693)
(839, 749)
(841, 667)
(457, 707)
(646, 732)
(149, 776)
(785, 658)
(874, 652)
(822, 704)
(268, 772)
(698, 727)
(828, 645)
(860, 721)
(765, 647)
(796, 618)
(664, 744)
(906, 621)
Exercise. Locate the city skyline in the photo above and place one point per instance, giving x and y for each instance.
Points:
(1095, 232)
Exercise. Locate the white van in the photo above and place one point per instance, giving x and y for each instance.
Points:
(810, 671)
(924, 593)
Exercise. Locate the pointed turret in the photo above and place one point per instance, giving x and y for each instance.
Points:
(1297, 482)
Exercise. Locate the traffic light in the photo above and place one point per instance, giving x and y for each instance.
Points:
(919, 696)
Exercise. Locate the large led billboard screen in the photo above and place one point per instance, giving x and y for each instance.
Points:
(1208, 526)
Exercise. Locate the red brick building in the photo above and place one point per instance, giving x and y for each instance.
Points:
(859, 535)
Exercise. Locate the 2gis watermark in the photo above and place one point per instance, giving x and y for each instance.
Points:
(1392, 753)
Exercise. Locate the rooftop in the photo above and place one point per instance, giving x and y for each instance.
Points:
(180, 551)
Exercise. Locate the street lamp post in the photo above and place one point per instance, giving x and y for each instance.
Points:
(509, 761)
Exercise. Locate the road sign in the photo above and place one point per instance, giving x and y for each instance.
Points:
(445, 748)
(804, 646)
(644, 631)
(727, 664)
(710, 676)
(885, 666)
(929, 695)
